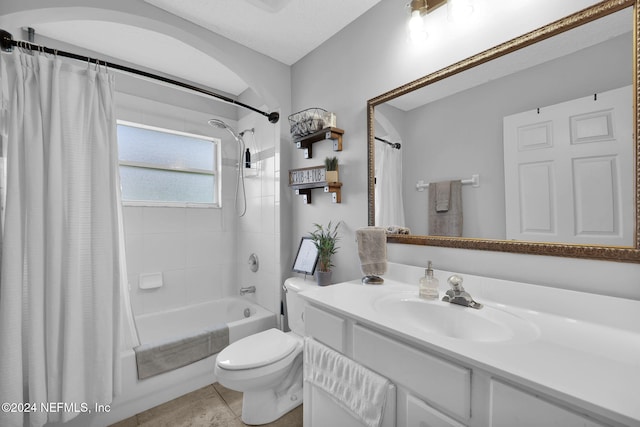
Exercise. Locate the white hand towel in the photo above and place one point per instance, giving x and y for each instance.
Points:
(372, 249)
(357, 389)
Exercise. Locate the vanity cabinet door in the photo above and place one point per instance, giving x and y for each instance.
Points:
(511, 406)
(445, 385)
(320, 410)
(418, 413)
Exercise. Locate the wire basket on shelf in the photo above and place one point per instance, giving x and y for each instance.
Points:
(311, 120)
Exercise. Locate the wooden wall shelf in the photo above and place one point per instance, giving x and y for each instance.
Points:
(333, 188)
(306, 142)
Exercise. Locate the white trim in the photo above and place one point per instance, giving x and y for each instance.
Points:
(165, 204)
(156, 166)
(165, 130)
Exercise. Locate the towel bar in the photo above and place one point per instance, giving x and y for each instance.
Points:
(474, 182)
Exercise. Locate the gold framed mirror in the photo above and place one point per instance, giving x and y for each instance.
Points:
(434, 94)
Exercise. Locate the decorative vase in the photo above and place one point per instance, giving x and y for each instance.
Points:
(323, 278)
(331, 176)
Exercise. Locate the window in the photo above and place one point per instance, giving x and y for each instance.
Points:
(160, 167)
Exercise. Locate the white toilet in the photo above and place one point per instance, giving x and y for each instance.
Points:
(267, 366)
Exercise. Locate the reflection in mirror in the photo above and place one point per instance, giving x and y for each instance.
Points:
(547, 128)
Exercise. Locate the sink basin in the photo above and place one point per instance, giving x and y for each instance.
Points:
(487, 324)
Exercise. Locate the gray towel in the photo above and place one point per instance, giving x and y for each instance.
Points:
(372, 249)
(449, 222)
(443, 195)
(156, 358)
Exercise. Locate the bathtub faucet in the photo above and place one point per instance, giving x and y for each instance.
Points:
(248, 290)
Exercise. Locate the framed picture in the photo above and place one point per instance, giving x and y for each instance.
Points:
(307, 257)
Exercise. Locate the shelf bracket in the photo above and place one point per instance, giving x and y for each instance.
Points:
(336, 194)
(305, 193)
(306, 142)
(307, 148)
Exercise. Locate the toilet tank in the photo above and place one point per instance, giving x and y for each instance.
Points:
(295, 304)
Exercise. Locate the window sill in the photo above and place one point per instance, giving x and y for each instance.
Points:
(148, 204)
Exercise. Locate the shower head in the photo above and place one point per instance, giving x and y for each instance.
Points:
(217, 123)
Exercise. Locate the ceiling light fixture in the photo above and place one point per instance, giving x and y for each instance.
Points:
(418, 9)
(415, 26)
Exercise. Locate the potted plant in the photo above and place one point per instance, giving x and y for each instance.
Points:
(331, 166)
(325, 239)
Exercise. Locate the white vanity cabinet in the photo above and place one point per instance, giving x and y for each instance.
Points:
(418, 375)
(511, 406)
(319, 409)
(438, 390)
(328, 328)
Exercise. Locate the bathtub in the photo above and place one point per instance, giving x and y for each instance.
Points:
(139, 395)
(184, 321)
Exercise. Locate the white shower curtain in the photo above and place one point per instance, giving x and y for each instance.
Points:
(60, 275)
(388, 194)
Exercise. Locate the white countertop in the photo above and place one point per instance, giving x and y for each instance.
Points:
(585, 349)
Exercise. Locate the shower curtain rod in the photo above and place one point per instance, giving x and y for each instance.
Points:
(395, 145)
(7, 43)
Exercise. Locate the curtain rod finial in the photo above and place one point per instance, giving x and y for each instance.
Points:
(274, 117)
(5, 41)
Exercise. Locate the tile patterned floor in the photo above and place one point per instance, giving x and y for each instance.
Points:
(210, 406)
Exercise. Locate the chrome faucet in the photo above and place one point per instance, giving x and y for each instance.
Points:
(248, 290)
(457, 294)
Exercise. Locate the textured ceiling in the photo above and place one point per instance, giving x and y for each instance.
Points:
(285, 30)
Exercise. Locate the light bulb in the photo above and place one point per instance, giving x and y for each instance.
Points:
(417, 31)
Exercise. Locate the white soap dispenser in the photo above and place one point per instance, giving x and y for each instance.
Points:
(428, 284)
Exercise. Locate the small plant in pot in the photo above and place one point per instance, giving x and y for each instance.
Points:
(331, 166)
(325, 239)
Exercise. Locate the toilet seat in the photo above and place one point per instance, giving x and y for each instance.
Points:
(258, 350)
(267, 367)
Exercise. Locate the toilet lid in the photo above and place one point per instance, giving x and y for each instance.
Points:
(257, 350)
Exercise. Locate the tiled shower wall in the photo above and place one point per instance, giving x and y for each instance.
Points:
(259, 230)
(197, 250)
(192, 248)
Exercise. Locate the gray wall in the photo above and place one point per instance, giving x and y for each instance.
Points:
(461, 135)
(370, 57)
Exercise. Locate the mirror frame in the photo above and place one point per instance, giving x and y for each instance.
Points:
(610, 253)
